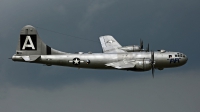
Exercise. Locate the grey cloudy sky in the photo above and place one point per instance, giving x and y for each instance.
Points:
(172, 25)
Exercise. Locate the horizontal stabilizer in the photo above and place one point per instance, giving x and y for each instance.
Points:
(31, 57)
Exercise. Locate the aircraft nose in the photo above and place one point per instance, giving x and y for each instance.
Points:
(185, 59)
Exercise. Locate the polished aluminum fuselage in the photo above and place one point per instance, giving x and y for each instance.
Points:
(99, 60)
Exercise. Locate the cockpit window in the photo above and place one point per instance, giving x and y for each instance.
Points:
(180, 55)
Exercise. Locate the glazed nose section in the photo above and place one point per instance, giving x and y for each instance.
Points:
(185, 59)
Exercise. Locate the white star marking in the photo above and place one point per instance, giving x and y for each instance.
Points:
(76, 61)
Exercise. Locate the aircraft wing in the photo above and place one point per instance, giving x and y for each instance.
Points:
(124, 64)
(110, 45)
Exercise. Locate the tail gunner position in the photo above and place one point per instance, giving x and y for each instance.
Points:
(33, 50)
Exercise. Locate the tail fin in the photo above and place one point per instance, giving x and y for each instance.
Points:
(31, 44)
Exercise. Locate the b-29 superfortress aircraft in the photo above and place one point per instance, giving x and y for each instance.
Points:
(134, 58)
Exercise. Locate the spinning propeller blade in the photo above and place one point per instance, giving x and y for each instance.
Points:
(141, 44)
(147, 48)
(152, 63)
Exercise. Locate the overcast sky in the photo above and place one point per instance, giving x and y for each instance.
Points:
(172, 25)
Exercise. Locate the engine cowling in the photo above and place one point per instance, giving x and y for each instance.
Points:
(143, 65)
(133, 48)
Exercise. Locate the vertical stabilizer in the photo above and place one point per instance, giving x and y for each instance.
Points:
(30, 43)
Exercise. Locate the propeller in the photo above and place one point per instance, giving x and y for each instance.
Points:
(141, 44)
(152, 63)
(147, 50)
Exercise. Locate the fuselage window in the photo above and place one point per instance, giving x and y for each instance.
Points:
(175, 55)
(170, 56)
(88, 61)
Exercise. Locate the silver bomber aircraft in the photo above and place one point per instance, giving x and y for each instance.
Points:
(33, 50)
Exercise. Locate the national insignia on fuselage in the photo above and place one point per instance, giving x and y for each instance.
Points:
(76, 61)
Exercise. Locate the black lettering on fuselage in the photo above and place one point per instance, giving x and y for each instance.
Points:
(174, 60)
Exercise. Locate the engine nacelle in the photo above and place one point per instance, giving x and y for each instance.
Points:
(143, 65)
(133, 48)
